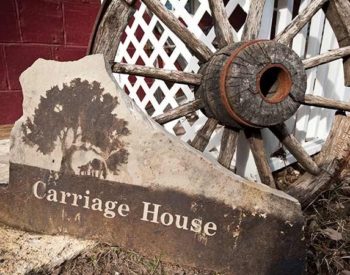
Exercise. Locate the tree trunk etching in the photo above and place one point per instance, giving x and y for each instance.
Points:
(66, 162)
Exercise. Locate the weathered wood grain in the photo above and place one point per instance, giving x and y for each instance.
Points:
(327, 57)
(202, 137)
(338, 140)
(112, 20)
(210, 87)
(211, 80)
(199, 49)
(240, 93)
(313, 100)
(333, 160)
(253, 21)
(223, 28)
(180, 111)
(295, 148)
(287, 35)
(337, 13)
(251, 32)
(228, 146)
(256, 144)
(166, 75)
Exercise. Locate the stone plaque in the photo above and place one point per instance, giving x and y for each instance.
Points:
(85, 161)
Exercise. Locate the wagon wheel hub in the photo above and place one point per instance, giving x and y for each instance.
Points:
(255, 84)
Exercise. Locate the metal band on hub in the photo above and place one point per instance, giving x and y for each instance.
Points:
(223, 78)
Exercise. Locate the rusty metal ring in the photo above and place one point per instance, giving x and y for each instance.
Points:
(223, 77)
(283, 89)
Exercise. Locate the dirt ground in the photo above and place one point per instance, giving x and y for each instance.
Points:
(327, 234)
(104, 259)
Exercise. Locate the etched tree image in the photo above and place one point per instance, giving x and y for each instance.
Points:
(79, 117)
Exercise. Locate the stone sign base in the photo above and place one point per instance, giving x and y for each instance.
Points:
(85, 161)
(193, 230)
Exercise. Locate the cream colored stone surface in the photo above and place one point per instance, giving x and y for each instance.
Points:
(156, 159)
(4, 160)
(22, 252)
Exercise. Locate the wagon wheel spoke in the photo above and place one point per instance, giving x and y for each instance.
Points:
(199, 49)
(223, 28)
(256, 144)
(114, 18)
(326, 57)
(295, 148)
(250, 32)
(253, 21)
(166, 75)
(180, 111)
(319, 101)
(287, 35)
(202, 137)
(228, 146)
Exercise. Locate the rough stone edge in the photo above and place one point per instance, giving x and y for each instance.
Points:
(22, 252)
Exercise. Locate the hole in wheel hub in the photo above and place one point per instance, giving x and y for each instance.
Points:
(255, 84)
(274, 83)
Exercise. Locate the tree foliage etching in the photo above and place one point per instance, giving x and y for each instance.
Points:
(78, 117)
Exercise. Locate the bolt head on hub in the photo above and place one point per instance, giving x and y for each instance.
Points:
(255, 84)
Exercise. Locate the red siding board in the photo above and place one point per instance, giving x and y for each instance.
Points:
(3, 71)
(79, 20)
(41, 21)
(20, 57)
(32, 29)
(68, 53)
(10, 106)
(9, 30)
(96, 2)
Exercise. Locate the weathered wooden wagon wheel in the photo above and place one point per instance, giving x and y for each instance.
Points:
(245, 86)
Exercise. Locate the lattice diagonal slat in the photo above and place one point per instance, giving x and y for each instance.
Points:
(147, 41)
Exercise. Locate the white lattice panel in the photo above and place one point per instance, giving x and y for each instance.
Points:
(147, 41)
(183, 127)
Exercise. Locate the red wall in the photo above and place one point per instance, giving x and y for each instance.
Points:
(29, 29)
